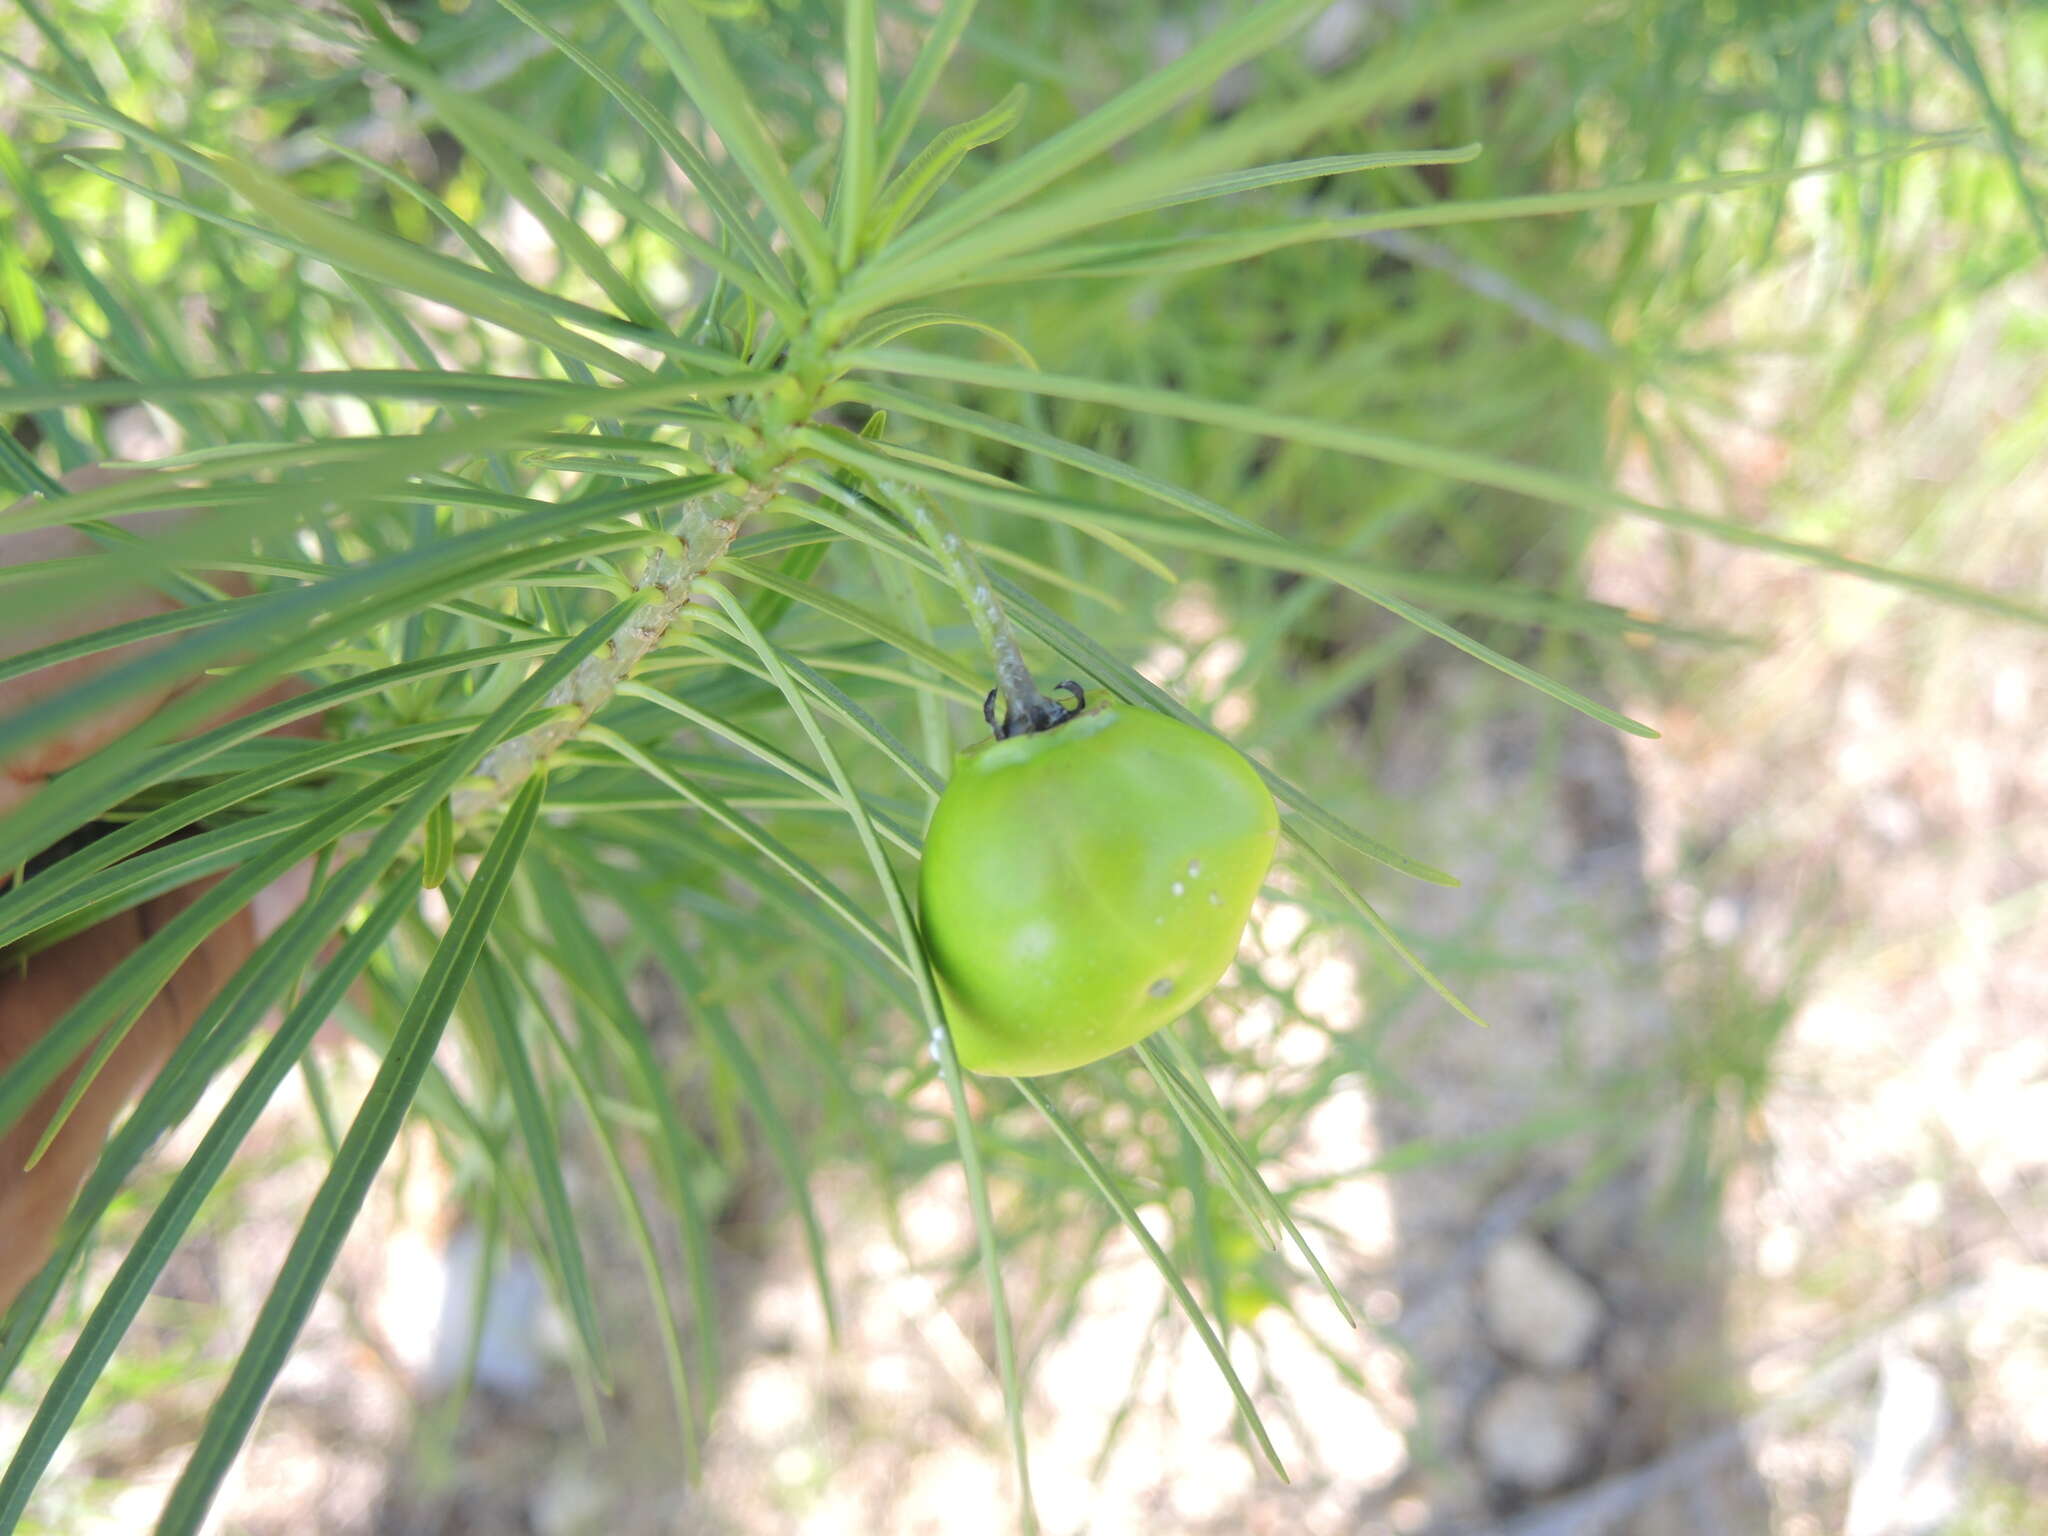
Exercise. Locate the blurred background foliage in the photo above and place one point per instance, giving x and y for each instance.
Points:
(1603, 341)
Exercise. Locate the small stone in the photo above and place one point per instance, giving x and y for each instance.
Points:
(1535, 1433)
(570, 1501)
(1913, 1414)
(1536, 1309)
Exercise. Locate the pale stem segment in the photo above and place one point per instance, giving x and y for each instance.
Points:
(708, 525)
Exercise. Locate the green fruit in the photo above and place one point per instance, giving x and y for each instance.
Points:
(1086, 884)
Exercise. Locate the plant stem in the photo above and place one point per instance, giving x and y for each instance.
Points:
(709, 523)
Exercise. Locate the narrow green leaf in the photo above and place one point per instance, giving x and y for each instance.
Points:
(1100, 1176)
(893, 325)
(433, 385)
(765, 751)
(106, 776)
(854, 616)
(973, 233)
(348, 1181)
(1472, 595)
(940, 39)
(1097, 531)
(732, 1049)
(80, 900)
(89, 1353)
(544, 1153)
(1212, 1139)
(205, 1051)
(941, 1036)
(1235, 42)
(497, 139)
(1091, 659)
(18, 905)
(1963, 54)
(336, 610)
(583, 963)
(858, 171)
(321, 235)
(1257, 177)
(142, 974)
(440, 849)
(1248, 543)
(627, 1198)
(344, 243)
(1367, 581)
(1379, 925)
(110, 1007)
(1185, 253)
(154, 626)
(690, 160)
(783, 857)
(1457, 464)
(688, 43)
(798, 565)
(904, 197)
(820, 688)
(1175, 1061)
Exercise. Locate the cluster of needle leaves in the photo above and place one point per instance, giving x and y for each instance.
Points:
(576, 392)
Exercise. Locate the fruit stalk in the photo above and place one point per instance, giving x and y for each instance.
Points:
(1026, 707)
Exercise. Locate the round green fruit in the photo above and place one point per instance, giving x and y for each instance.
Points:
(1085, 884)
